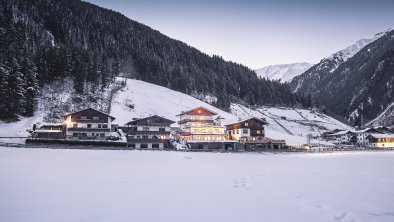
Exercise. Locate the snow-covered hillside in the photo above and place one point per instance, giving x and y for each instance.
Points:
(139, 99)
(283, 72)
(386, 118)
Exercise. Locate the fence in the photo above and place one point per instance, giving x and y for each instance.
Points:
(289, 149)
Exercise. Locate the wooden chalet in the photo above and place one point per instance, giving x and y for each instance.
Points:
(48, 131)
(344, 137)
(249, 130)
(151, 132)
(363, 134)
(88, 124)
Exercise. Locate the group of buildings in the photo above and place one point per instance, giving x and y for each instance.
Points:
(380, 137)
(199, 129)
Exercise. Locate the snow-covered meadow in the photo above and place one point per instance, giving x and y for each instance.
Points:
(100, 185)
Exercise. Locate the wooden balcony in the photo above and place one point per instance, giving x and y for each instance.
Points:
(91, 121)
(196, 121)
(148, 132)
(89, 130)
(130, 140)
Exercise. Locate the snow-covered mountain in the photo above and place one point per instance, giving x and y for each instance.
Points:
(355, 83)
(309, 81)
(283, 72)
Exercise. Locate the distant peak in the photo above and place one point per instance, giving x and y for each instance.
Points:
(283, 72)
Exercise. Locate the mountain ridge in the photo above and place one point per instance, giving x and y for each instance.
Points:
(359, 88)
(283, 72)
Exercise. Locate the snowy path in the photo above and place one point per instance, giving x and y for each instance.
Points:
(96, 185)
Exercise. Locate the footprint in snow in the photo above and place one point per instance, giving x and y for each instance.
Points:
(340, 216)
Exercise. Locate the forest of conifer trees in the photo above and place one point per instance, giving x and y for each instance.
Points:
(44, 40)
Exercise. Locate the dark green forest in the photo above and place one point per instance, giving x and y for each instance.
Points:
(44, 40)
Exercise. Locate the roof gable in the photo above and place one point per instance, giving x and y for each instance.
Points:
(89, 111)
(199, 111)
(250, 119)
(151, 120)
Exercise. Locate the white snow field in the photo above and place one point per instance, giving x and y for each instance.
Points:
(47, 185)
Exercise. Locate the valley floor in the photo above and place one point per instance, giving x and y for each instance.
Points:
(101, 185)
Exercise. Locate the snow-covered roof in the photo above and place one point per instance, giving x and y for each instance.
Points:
(381, 136)
(47, 131)
(113, 118)
(365, 130)
(241, 121)
(51, 124)
(200, 107)
(341, 133)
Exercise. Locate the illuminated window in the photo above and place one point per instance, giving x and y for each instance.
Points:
(201, 118)
(193, 118)
(246, 124)
(258, 132)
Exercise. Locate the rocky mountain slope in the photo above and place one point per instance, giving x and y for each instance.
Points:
(356, 83)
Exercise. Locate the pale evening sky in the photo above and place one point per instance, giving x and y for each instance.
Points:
(259, 33)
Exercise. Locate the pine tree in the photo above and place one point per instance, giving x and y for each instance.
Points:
(16, 88)
(31, 86)
(4, 98)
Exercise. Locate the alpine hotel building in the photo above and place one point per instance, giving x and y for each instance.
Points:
(200, 124)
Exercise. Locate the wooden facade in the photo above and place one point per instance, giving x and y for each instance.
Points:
(249, 130)
(149, 133)
(88, 124)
